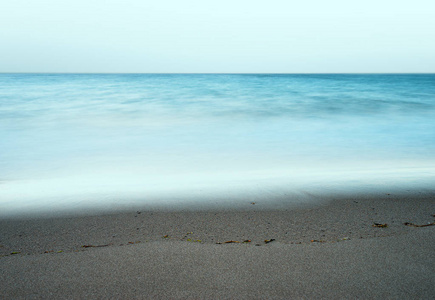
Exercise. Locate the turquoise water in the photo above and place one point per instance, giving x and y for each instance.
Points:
(112, 140)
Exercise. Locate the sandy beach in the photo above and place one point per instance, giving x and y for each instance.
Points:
(366, 247)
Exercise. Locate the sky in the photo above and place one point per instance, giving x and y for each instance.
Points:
(225, 36)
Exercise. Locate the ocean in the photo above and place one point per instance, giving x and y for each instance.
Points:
(120, 141)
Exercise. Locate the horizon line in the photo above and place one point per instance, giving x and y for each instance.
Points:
(225, 73)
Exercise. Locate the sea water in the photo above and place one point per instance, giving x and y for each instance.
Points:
(70, 141)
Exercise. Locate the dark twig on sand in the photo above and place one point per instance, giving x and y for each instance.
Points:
(415, 225)
(380, 225)
(94, 246)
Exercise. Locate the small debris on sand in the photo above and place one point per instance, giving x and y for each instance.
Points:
(415, 225)
(94, 246)
(228, 242)
(269, 241)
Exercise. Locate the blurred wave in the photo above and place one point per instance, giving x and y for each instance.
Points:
(85, 134)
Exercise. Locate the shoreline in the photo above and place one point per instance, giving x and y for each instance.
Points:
(271, 194)
(330, 250)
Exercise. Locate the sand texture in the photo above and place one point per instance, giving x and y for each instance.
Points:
(331, 250)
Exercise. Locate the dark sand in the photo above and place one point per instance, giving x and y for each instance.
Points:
(330, 250)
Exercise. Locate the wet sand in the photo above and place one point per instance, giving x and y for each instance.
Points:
(332, 249)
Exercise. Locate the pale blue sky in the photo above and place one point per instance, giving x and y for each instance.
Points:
(217, 36)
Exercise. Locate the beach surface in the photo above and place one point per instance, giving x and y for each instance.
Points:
(368, 247)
